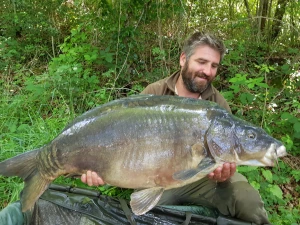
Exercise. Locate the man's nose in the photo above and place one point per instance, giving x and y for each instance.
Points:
(207, 70)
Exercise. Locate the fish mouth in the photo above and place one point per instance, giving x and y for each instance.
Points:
(273, 154)
(269, 159)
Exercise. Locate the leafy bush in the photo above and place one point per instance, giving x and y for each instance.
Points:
(267, 96)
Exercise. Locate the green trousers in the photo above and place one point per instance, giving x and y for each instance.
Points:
(12, 215)
(234, 197)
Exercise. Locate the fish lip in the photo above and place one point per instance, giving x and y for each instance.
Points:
(281, 151)
(272, 154)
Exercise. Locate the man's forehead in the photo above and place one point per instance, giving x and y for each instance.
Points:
(205, 52)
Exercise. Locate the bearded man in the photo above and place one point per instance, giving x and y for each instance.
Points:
(224, 188)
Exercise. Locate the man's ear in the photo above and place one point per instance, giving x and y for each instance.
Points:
(182, 59)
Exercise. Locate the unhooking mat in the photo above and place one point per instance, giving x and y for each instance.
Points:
(64, 205)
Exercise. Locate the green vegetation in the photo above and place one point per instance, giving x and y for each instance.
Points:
(61, 58)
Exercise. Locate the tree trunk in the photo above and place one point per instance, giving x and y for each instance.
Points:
(259, 17)
(269, 16)
(279, 13)
(231, 9)
(248, 9)
(264, 15)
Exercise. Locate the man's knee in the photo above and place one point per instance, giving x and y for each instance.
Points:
(246, 197)
(12, 215)
(241, 200)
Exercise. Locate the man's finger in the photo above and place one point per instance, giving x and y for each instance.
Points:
(226, 171)
(89, 178)
(211, 175)
(232, 169)
(218, 174)
(95, 180)
(83, 178)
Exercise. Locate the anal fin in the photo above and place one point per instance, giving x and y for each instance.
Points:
(34, 187)
(144, 200)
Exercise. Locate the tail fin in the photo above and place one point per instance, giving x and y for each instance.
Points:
(25, 166)
(21, 165)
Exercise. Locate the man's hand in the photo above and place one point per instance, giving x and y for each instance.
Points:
(223, 173)
(91, 178)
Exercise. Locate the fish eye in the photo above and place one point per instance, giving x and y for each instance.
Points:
(251, 135)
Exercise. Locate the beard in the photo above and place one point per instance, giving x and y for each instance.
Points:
(191, 83)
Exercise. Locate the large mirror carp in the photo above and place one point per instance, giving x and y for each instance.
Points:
(149, 143)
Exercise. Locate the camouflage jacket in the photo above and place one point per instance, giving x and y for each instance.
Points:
(166, 86)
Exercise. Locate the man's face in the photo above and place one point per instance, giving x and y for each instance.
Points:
(201, 68)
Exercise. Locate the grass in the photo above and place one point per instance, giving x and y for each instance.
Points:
(24, 129)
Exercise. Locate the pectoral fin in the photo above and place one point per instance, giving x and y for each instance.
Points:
(203, 167)
(185, 174)
(144, 200)
(206, 164)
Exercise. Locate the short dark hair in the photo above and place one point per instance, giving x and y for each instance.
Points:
(201, 38)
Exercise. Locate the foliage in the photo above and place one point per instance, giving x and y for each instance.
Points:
(61, 58)
(255, 93)
(271, 185)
